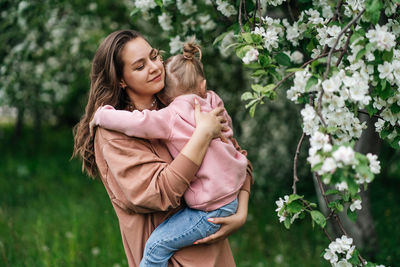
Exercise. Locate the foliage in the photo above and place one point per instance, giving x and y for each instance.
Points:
(341, 67)
(47, 46)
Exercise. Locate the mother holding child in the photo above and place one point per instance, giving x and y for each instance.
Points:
(163, 136)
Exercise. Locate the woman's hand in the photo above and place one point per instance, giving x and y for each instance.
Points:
(229, 224)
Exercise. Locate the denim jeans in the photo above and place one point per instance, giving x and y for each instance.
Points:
(181, 230)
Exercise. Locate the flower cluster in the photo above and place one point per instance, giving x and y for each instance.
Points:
(340, 251)
(325, 159)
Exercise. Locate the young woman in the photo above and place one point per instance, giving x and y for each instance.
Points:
(144, 183)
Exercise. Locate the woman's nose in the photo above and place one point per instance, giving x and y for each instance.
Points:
(153, 66)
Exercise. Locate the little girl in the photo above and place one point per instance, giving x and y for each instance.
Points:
(220, 176)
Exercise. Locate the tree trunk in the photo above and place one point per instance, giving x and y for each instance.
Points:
(362, 231)
(19, 123)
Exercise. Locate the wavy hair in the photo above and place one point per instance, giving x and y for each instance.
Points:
(105, 77)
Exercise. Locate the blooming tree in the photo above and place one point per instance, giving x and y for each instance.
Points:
(342, 59)
(46, 45)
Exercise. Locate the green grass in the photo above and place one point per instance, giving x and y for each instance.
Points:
(53, 215)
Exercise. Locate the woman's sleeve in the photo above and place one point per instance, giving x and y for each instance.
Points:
(249, 171)
(147, 182)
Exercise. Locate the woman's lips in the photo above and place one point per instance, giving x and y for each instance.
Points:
(156, 79)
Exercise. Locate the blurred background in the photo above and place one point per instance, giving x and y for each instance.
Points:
(52, 214)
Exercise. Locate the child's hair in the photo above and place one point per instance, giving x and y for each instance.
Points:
(184, 72)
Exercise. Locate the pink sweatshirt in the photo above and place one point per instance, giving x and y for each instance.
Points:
(223, 170)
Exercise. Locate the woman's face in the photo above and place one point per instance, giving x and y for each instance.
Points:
(143, 72)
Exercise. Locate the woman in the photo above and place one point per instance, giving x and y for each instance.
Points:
(143, 182)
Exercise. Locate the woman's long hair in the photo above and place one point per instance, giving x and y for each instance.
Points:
(105, 78)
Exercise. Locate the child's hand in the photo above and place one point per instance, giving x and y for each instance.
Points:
(92, 124)
(209, 123)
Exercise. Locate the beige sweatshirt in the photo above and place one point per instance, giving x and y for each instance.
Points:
(146, 186)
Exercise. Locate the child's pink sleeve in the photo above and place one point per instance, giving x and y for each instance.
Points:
(149, 124)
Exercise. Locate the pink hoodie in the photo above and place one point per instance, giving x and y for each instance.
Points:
(223, 170)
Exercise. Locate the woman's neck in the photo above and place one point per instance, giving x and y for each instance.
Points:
(144, 103)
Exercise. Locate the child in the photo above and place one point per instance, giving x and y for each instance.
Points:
(220, 176)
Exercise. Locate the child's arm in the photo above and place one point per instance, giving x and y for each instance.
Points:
(149, 124)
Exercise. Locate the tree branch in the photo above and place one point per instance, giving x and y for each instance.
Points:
(240, 16)
(302, 66)
(296, 158)
(345, 48)
(328, 63)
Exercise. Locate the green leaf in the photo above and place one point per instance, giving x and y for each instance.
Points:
(318, 218)
(264, 60)
(246, 96)
(294, 197)
(331, 192)
(252, 110)
(395, 142)
(373, 10)
(352, 215)
(247, 37)
(283, 59)
(360, 54)
(310, 46)
(256, 38)
(354, 258)
(266, 89)
(317, 167)
(259, 72)
(287, 223)
(134, 12)
(388, 55)
(219, 38)
(253, 66)
(311, 82)
(395, 108)
(241, 51)
(371, 110)
(354, 37)
(294, 207)
(159, 3)
(385, 132)
(340, 207)
(384, 90)
(258, 88)
(294, 69)
(251, 103)
(353, 186)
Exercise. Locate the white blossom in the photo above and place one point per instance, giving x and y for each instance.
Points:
(328, 166)
(383, 39)
(344, 154)
(308, 113)
(342, 186)
(296, 57)
(165, 21)
(374, 163)
(225, 8)
(251, 55)
(186, 7)
(355, 205)
(175, 44)
(145, 5)
(318, 140)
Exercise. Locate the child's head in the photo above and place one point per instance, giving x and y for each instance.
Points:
(184, 74)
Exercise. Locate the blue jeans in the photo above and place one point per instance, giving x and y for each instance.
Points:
(181, 230)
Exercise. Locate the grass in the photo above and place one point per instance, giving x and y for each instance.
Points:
(53, 215)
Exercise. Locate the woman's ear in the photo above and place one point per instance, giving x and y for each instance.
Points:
(203, 88)
(122, 83)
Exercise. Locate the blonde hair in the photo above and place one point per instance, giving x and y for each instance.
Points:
(184, 72)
